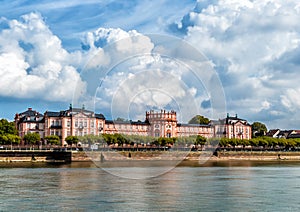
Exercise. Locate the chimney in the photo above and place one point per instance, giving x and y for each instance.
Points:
(235, 115)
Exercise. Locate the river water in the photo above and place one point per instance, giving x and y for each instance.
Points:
(214, 187)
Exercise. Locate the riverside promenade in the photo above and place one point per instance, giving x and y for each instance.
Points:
(35, 156)
(68, 156)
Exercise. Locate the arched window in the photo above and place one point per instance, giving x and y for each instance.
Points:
(169, 134)
(156, 133)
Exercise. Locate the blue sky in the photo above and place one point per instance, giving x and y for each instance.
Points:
(53, 53)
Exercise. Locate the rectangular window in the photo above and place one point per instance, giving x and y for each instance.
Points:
(68, 123)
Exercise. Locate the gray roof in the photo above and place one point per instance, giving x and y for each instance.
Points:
(69, 112)
(127, 122)
(31, 116)
(193, 125)
(52, 114)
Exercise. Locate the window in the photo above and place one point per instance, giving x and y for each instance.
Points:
(156, 133)
(85, 123)
(92, 123)
(68, 123)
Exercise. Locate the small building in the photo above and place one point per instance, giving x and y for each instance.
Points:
(232, 127)
(30, 121)
(273, 133)
(74, 121)
(294, 134)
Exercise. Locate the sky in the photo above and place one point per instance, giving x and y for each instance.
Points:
(121, 58)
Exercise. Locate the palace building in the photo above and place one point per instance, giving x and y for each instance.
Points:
(80, 122)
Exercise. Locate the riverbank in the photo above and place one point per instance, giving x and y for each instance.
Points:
(9, 156)
(201, 156)
(185, 156)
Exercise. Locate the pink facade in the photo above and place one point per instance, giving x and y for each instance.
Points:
(80, 122)
(29, 121)
(76, 122)
(232, 127)
(162, 124)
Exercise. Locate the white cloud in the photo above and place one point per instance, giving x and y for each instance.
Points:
(254, 46)
(132, 72)
(33, 63)
(291, 99)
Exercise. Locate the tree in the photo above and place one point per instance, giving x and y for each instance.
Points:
(200, 140)
(254, 142)
(3, 139)
(198, 119)
(7, 127)
(52, 139)
(13, 139)
(32, 138)
(71, 139)
(258, 129)
(224, 142)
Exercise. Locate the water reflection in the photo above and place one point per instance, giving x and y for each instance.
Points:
(269, 187)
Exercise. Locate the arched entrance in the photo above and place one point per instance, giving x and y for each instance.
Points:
(169, 134)
(156, 133)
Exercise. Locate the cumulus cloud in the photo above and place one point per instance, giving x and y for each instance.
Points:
(128, 72)
(255, 48)
(138, 77)
(114, 66)
(33, 63)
